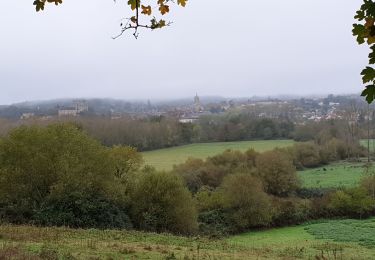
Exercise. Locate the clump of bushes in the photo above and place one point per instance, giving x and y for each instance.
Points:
(354, 202)
(239, 204)
(235, 191)
(58, 175)
(247, 203)
(277, 172)
(80, 209)
(291, 211)
(161, 203)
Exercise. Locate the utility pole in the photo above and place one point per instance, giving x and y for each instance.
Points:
(368, 133)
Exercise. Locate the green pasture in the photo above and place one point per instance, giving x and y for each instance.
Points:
(332, 239)
(361, 232)
(164, 159)
(364, 143)
(340, 174)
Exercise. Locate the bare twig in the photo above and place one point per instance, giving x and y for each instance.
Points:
(133, 23)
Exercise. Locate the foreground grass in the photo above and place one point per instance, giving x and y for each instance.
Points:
(340, 174)
(164, 159)
(331, 239)
(358, 231)
(346, 239)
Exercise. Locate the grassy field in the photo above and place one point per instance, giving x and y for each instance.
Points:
(358, 231)
(372, 144)
(333, 239)
(347, 239)
(341, 174)
(164, 159)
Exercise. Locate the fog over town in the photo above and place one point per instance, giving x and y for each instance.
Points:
(261, 48)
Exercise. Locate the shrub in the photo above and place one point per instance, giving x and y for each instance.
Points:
(368, 183)
(34, 159)
(161, 203)
(124, 160)
(233, 161)
(191, 172)
(354, 202)
(197, 173)
(310, 193)
(291, 211)
(58, 175)
(277, 172)
(320, 206)
(336, 149)
(82, 210)
(307, 154)
(215, 223)
(247, 204)
(208, 199)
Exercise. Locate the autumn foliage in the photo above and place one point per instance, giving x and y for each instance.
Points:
(139, 9)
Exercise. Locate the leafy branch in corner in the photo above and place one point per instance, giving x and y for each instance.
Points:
(364, 31)
(141, 9)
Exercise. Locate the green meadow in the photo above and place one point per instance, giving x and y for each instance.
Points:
(365, 144)
(340, 174)
(333, 239)
(164, 159)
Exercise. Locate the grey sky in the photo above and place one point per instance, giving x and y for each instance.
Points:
(255, 48)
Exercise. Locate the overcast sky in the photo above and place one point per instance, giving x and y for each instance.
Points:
(254, 48)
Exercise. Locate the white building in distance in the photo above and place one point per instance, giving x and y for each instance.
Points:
(25, 116)
(80, 106)
(67, 112)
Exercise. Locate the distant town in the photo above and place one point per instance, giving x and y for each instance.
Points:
(298, 110)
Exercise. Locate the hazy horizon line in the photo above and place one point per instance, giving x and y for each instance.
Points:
(168, 99)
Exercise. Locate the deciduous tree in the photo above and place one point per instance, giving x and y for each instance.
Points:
(277, 172)
(162, 203)
(145, 13)
(247, 203)
(364, 31)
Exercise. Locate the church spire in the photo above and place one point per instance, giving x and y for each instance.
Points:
(197, 104)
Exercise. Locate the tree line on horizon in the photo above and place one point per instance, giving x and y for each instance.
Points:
(159, 132)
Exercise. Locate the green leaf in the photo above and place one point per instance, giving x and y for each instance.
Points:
(369, 93)
(360, 15)
(372, 55)
(368, 74)
(157, 24)
(39, 5)
(370, 8)
(134, 4)
(359, 30)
